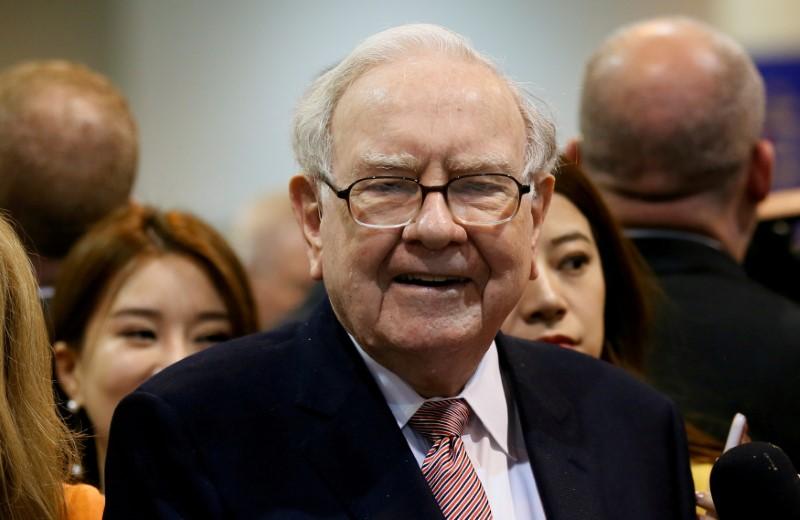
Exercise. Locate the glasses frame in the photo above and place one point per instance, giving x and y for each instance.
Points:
(344, 194)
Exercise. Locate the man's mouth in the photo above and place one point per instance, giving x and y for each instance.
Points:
(430, 280)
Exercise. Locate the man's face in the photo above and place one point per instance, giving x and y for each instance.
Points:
(434, 286)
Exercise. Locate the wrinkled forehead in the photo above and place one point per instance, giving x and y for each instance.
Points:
(430, 80)
(441, 97)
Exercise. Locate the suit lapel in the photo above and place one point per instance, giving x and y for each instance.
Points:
(350, 436)
(563, 467)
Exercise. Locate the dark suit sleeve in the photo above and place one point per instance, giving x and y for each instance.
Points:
(153, 469)
(684, 485)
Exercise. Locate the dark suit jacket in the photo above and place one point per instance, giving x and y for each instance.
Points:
(725, 344)
(290, 424)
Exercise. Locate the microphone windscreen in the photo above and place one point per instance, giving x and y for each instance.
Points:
(755, 480)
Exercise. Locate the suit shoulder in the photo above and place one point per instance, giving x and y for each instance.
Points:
(228, 366)
(577, 374)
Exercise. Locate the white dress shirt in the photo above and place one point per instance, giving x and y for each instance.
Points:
(494, 443)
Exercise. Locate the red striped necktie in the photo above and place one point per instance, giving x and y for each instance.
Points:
(446, 467)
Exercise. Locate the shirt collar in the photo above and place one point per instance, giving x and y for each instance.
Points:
(483, 392)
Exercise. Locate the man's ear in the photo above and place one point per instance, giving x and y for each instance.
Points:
(307, 211)
(759, 175)
(572, 151)
(539, 207)
(67, 373)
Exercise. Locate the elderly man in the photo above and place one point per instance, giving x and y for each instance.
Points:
(426, 184)
(68, 155)
(671, 123)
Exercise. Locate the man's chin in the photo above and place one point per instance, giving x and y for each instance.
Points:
(432, 333)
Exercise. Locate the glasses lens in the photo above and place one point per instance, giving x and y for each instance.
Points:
(387, 201)
(483, 199)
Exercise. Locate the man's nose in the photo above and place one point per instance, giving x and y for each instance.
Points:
(434, 225)
(543, 302)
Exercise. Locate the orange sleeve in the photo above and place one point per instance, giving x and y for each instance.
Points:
(84, 502)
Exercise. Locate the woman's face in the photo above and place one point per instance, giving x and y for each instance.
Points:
(565, 304)
(163, 311)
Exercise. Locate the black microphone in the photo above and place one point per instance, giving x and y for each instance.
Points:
(755, 480)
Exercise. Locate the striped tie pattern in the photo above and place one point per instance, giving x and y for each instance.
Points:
(446, 467)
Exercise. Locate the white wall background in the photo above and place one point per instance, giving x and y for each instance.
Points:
(213, 83)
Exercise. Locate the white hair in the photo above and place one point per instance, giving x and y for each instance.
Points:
(312, 140)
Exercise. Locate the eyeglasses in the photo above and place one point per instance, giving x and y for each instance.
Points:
(481, 199)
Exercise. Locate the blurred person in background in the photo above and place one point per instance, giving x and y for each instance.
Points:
(140, 291)
(68, 156)
(36, 449)
(773, 257)
(69, 151)
(594, 293)
(271, 247)
(672, 114)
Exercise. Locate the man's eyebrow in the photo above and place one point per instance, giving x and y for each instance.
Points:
(490, 163)
(569, 237)
(382, 161)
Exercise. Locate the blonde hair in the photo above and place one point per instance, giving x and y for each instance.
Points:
(35, 446)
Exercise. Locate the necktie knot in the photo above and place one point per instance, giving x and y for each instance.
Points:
(447, 468)
(437, 419)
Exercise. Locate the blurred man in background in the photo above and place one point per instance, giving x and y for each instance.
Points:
(68, 156)
(271, 247)
(672, 113)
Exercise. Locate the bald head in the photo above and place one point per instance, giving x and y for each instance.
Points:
(271, 247)
(670, 108)
(68, 151)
